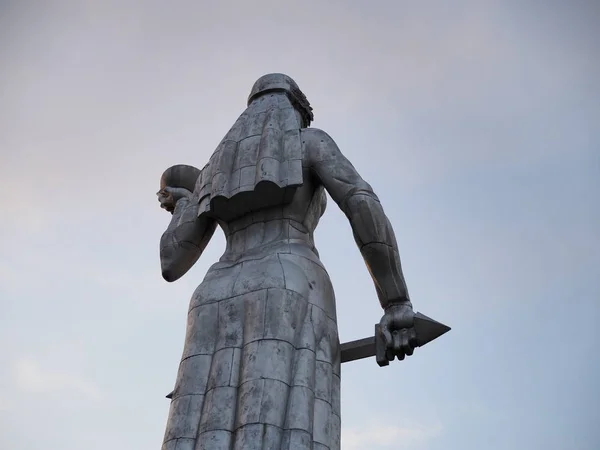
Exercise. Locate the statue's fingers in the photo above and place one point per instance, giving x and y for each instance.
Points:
(385, 331)
(406, 345)
(387, 338)
(398, 349)
(400, 354)
(397, 344)
(389, 354)
(412, 337)
(408, 349)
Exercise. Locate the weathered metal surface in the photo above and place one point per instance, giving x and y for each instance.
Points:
(261, 362)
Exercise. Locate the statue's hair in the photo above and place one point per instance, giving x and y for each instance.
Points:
(301, 103)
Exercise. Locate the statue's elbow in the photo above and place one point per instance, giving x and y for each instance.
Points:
(361, 202)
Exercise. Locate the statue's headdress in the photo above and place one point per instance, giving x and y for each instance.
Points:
(281, 82)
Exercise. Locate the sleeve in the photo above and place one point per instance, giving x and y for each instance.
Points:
(372, 230)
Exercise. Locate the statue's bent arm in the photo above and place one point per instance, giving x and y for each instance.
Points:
(372, 230)
(184, 240)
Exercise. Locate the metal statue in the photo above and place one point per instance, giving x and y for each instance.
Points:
(261, 362)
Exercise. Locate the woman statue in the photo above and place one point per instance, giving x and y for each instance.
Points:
(261, 362)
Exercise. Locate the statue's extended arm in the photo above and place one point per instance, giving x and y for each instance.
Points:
(371, 228)
(184, 240)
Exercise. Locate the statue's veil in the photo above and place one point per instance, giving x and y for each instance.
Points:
(258, 163)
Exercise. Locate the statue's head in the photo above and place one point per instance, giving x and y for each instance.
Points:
(274, 82)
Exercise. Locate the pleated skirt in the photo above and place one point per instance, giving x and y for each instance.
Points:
(261, 362)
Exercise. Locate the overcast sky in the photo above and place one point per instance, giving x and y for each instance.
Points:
(477, 123)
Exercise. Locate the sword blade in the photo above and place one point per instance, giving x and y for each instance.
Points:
(362, 348)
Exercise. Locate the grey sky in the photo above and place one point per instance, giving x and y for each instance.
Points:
(476, 122)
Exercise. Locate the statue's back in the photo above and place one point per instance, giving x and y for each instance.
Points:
(261, 363)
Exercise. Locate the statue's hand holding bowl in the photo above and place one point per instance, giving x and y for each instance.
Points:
(398, 330)
(169, 196)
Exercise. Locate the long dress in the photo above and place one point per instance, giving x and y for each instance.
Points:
(261, 363)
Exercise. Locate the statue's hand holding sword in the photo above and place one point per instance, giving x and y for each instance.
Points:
(397, 330)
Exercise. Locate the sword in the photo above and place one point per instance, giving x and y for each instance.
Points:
(426, 330)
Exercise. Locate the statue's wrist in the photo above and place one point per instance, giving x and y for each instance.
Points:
(398, 303)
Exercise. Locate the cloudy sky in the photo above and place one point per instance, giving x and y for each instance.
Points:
(477, 123)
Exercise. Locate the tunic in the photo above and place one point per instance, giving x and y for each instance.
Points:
(261, 363)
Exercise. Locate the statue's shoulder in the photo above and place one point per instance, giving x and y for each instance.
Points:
(317, 145)
(314, 135)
